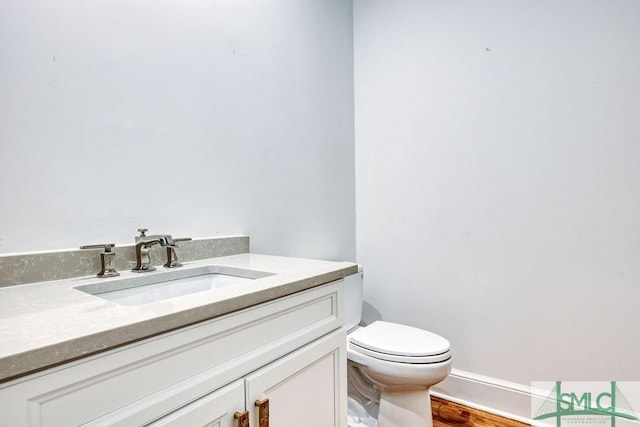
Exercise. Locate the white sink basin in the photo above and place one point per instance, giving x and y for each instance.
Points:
(146, 288)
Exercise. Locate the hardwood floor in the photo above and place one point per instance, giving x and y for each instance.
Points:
(450, 414)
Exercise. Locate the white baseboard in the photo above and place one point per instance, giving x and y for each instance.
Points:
(488, 394)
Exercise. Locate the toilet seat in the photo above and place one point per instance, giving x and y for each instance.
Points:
(399, 343)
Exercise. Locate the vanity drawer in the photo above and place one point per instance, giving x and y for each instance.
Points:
(143, 381)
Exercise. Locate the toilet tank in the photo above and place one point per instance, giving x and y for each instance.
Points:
(353, 296)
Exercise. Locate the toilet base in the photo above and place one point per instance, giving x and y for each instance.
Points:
(408, 408)
(359, 415)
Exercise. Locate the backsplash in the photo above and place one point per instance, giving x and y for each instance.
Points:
(55, 265)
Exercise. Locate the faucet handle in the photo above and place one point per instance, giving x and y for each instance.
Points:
(172, 256)
(143, 231)
(106, 246)
(107, 259)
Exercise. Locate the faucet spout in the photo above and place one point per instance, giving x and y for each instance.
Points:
(158, 239)
(144, 244)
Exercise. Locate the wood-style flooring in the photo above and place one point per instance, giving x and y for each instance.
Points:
(450, 414)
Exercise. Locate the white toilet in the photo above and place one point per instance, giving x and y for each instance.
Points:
(390, 368)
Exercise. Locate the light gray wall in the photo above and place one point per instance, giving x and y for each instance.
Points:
(186, 117)
(498, 180)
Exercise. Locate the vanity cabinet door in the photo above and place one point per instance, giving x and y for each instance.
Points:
(305, 388)
(213, 410)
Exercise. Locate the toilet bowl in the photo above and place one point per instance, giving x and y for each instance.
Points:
(390, 368)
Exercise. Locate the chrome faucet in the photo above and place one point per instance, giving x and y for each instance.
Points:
(144, 244)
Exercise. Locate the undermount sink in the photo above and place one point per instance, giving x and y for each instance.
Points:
(146, 288)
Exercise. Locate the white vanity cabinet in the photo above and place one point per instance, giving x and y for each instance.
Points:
(300, 389)
(291, 351)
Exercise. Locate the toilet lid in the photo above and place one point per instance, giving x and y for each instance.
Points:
(392, 339)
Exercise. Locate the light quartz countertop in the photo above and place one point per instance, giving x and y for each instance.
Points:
(47, 323)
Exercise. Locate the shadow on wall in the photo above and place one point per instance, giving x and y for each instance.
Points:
(369, 314)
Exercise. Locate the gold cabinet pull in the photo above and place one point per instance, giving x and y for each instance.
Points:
(263, 412)
(243, 418)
